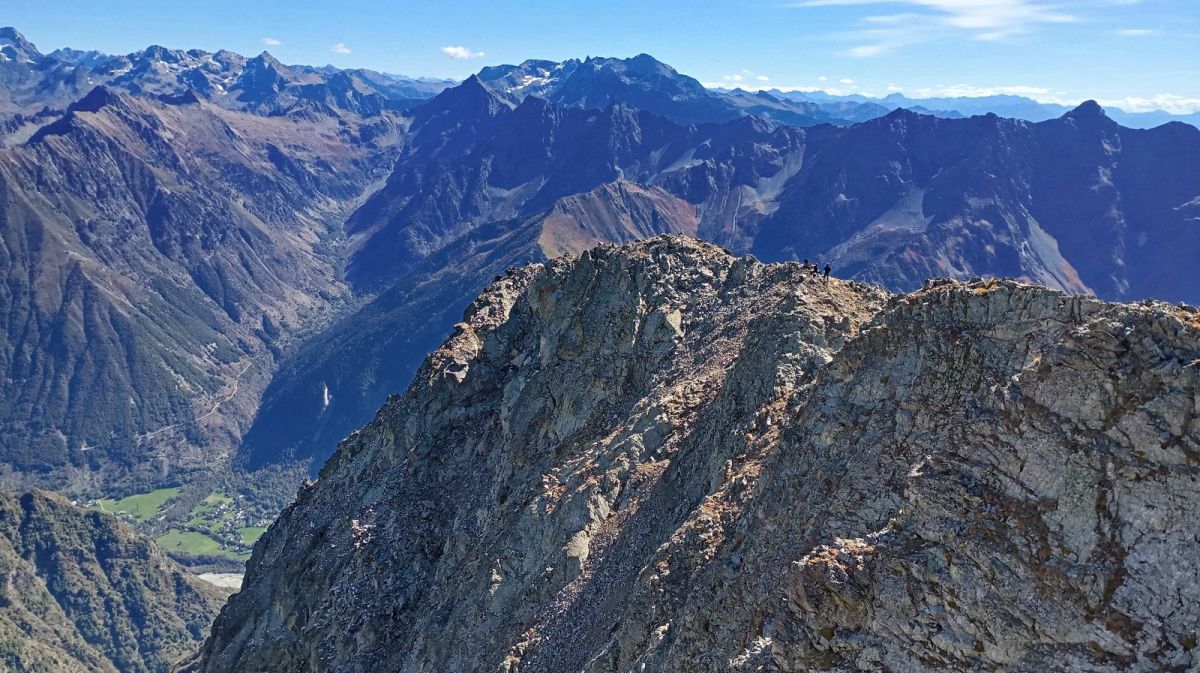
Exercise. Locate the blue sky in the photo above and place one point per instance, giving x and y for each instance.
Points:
(1137, 54)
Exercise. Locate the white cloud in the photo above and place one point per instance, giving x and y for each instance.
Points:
(988, 20)
(1135, 32)
(822, 78)
(846, 80)
(1167, 102)
(869, 50)
(459, 53)
(991, 16)
(271, 42)
(893, 87)
(972, 91)
(340, 48)
(743, 75)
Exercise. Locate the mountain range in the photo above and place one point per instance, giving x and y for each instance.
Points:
(653, 440)
(895, 200)
(33, 81)
(1004, 105)
(211, 260)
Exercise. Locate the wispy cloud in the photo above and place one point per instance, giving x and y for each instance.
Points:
(1041, 93)
(1135, 32)
(744, 75)
(748, 80)
(869, 50)
(459, 53)
(340, 48)
(927, 20)
(1168, 102)
(271, 42)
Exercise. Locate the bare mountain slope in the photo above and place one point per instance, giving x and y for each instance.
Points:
(80, 592)
(151, 254)
(661, 457)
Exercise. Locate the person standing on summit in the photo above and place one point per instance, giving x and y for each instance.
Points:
(827, 270)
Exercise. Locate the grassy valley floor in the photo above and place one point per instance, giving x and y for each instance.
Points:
(211, 531)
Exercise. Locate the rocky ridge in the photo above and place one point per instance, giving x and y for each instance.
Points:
(662, 457)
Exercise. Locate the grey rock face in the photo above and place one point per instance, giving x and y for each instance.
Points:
(661, 457)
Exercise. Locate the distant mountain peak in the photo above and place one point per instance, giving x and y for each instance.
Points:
(646, 61)
(94, 100)
(472, 88)
(262, 79)
(268, 58)
(1086, 109)
(472, 99)
(11, 34)
(903, 113)
(597, 82)
(265, 61)
(157, 52)
(14, 47)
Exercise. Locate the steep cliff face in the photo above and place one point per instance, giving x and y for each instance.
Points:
(661, 457)
(80, 592)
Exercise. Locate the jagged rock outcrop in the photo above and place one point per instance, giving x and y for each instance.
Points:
(661, 457)
(80, 592)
